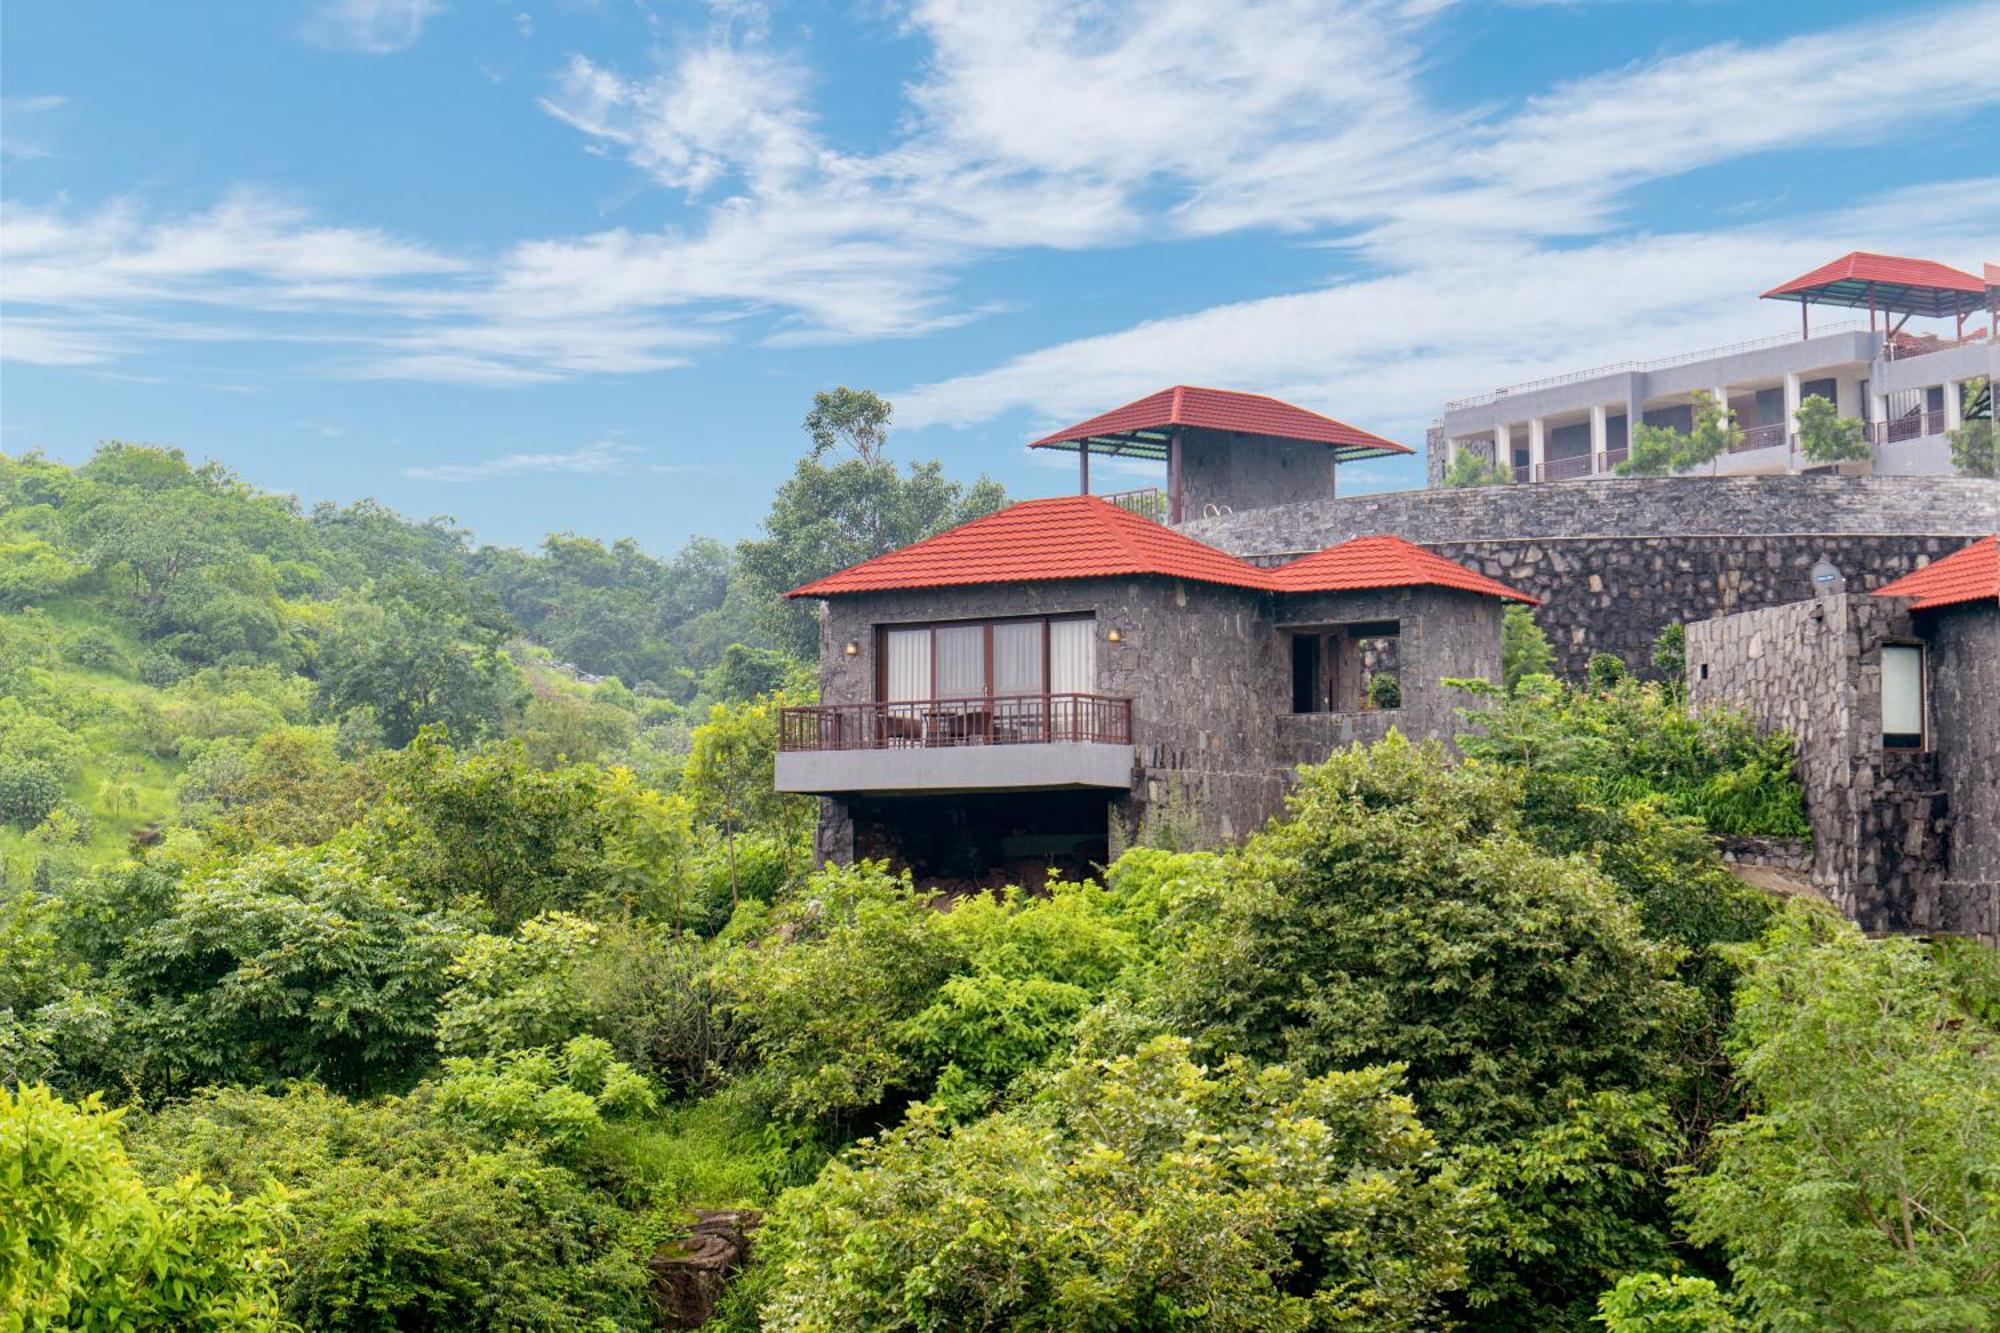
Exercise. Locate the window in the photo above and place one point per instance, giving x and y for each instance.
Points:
(1332, 668)
(1902, 696)
(972, 659)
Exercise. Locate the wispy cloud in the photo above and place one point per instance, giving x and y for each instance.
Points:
(375, 27)
(605, 456)
(22, 137)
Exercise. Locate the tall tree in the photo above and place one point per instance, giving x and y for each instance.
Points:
(1827, 437)
(855, 418)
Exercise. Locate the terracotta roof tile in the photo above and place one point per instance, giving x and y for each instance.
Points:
(1968, 575)
(1385, 562)
(1221, 410)
(1069, 537)
(1847, 280)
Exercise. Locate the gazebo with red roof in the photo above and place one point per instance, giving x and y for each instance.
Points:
(1892, 284)
(1243, 432)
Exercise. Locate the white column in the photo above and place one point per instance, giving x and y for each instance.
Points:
(1537, 446)
(1721, 395)
(1954, 405)
(1600, 436)
(1792, 401)
(1503, 450)
(1847, 396)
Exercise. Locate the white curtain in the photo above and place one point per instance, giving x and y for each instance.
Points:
(909, 665)
(1073, 656)
(961, 661)
(1017, 657)
(1902, 690)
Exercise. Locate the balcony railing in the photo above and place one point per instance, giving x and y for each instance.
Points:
(1767, 436)
(1005, 719)
(1909, 426)
(1565, 469)
(1608, 461)
(1906, 345)
(1148, 503)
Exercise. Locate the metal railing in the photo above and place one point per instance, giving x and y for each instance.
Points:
(1150, 502)
(1767, 436)
(1658, 363)
(1565, 469)
(1909, 426)
(1004, 719)
(1608, 461)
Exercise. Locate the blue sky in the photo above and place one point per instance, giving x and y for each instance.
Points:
(580, 266)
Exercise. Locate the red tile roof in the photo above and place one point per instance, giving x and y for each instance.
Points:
(1385, 562)
(1084, 537)
(1141, 427)
(1969, 575)
(1069, 537)
(1891, 282)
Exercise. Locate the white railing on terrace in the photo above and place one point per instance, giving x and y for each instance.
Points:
(1658, 363)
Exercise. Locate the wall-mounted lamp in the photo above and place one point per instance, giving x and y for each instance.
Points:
(1115, 637)
(852, 649)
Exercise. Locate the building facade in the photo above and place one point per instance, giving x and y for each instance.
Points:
(1894, 698)
(1906, 386)
(997, 700)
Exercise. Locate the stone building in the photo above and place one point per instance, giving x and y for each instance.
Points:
(1894, 698)
(993, 698)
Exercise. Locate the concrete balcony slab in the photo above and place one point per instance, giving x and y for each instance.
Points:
(914, 769)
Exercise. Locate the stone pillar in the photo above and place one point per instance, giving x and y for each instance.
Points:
(1537, 446)
(1600, 438)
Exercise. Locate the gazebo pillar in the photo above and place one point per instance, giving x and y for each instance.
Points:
(1083, 469)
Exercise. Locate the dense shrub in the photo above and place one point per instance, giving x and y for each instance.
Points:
(86, 1245)
(1143, 1191)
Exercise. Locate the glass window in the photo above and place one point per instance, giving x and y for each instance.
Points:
(1073, 656)
(961, 661)
(909, 665)
(1903, 696)
(1017, 657)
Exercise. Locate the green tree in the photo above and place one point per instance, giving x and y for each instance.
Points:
(1975, 449)
(86, 1245)
(827, 517)
(1524, 648)
(1860, 1192)
(730, 777)
(1139, 1191)
(1827, 437)
(1653, 452)
(1473, 469)
(1659, 450)
(416, 661)
(1670, 652)
(855, 418)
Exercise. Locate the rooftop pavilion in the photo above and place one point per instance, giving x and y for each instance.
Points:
(1224, 450)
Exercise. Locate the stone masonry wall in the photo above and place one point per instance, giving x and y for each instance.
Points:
(1209, 675)
(1965, 711)
(1616, 560)
(1879, 817)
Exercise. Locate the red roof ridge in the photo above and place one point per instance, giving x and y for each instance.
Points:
(1383, 560)
(1970, 574)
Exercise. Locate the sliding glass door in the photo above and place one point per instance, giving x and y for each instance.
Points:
(987, 659)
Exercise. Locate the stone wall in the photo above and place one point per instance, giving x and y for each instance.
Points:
(1879, 817)
(1231, 473)
(1964, 670)
(1616, 560)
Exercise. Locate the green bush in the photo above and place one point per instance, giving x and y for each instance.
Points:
(1385, 691)
(1143, 1191)
(1605, 670)
(1524, 648)
(86, 1245)
(29, 793)
(405, 1217)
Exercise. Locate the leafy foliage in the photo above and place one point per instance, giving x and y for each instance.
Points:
(1473, 469)
(1827, 437)
(1141, 1191)
(85, 1244)
(1975, 448)
(1524, 647)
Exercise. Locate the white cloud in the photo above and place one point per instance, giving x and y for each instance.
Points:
(375, 27)
(605, 456)
(1385, 352)
(21, 137)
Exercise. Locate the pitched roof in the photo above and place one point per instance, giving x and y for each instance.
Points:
(1385, 562)
(1918, 286)
(1139, 429)
(1069, 537)
(1968, 575)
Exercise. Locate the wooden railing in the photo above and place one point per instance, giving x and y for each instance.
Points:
(1006, 719)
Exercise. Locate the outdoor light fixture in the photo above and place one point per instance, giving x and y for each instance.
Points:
(853, 649)
(1115, 637)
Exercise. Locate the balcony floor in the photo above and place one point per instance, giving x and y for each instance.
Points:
(912, 769)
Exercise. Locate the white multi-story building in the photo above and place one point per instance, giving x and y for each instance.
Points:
(1905, 384)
